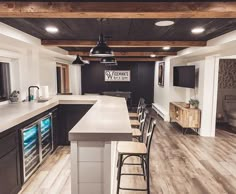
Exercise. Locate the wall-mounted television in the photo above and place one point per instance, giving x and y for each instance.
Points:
(184, 76)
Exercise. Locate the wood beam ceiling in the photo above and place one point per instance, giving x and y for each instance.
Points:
(117, 9)
(128, 54)
(145, 59)
(130, 44)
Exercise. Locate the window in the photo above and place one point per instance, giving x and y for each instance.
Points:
(63, 86)
(5, 86)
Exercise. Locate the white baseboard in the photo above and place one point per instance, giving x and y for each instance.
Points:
(160, 111)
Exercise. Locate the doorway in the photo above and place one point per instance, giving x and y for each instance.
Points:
(226, 97)
(63, 85)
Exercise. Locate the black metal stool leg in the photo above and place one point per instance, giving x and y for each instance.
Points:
(148, 176)
(143, 168)
(119, 173)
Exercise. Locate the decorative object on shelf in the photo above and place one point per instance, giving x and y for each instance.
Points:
(78, 61)
(117, 76)
(14, 96)
(101, 49)
(161, 72)
(193, 103)
(187, 105)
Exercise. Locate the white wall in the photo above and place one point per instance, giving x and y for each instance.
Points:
(206, 60)
(32, 64)
(204, 88)
(161, 93)
(169, 93)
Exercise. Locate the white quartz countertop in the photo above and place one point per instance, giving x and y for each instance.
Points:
(107, 119)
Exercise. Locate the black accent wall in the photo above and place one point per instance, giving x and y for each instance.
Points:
(141, 84)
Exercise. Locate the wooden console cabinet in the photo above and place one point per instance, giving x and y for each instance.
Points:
(185, 117)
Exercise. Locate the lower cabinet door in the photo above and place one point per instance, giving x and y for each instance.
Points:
(10, 173)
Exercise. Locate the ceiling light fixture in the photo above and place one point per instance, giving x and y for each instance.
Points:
(198, 30)
(108, 60)
(152, 55)
(164, 23)
(111, 64)
(101, 49)
(166, 48)
(51, 29)
(78, 61)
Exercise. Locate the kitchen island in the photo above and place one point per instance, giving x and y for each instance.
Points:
(93, 145)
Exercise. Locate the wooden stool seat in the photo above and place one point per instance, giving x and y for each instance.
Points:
(134, 122)
(136, 132)
(133, 115)
(125, 147)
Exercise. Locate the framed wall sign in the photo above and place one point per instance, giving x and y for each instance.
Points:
(117, 76)
(161, 72)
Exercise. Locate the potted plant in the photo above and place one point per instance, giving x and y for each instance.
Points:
(193, 103)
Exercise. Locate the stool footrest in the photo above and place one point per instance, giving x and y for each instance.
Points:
(132, 174)
(132, 164)
(132, 189)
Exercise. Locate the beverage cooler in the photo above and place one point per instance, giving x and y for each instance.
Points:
(37, 143)
(46, 136)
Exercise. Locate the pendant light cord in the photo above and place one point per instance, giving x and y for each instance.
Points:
(101, 26)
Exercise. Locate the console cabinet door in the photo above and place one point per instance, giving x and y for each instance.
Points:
(10, 182)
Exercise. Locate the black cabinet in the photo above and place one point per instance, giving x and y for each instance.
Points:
(10, 178)
(55, 121)
(69, 116)
(64, 118)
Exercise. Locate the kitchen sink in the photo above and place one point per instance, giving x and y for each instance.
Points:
(42, 100)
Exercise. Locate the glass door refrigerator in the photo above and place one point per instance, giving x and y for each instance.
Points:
(46, 136)
(37, 144)
(30, 149)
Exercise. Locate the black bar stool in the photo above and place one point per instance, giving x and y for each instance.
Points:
(137, 133)
(136, 114)
(137, 149)
(136, 122)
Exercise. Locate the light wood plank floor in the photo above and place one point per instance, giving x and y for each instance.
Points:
(179, 164)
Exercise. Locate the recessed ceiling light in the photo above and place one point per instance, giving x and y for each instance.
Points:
(166, 48)
(152, 55)
(198, 30)
(164, 23)
(51, 29)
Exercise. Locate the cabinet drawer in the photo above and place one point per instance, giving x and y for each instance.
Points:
(8, 143)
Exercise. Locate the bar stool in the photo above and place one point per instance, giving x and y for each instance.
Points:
(135, 114)
(139, 132)
(136, 122)
(137, 149)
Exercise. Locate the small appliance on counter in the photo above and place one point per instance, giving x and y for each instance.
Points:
(44, 92)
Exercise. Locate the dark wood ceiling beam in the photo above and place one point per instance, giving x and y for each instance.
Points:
(117, 9)
(130, 44)
(126, 59)
(128, 54)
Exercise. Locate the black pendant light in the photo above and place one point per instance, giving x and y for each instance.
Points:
(106, 60)
(78, 61)
(101, 49)
(109, 61)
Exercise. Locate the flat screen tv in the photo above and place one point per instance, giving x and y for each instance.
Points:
(184, 76)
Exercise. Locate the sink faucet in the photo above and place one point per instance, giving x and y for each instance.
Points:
(29, 91)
